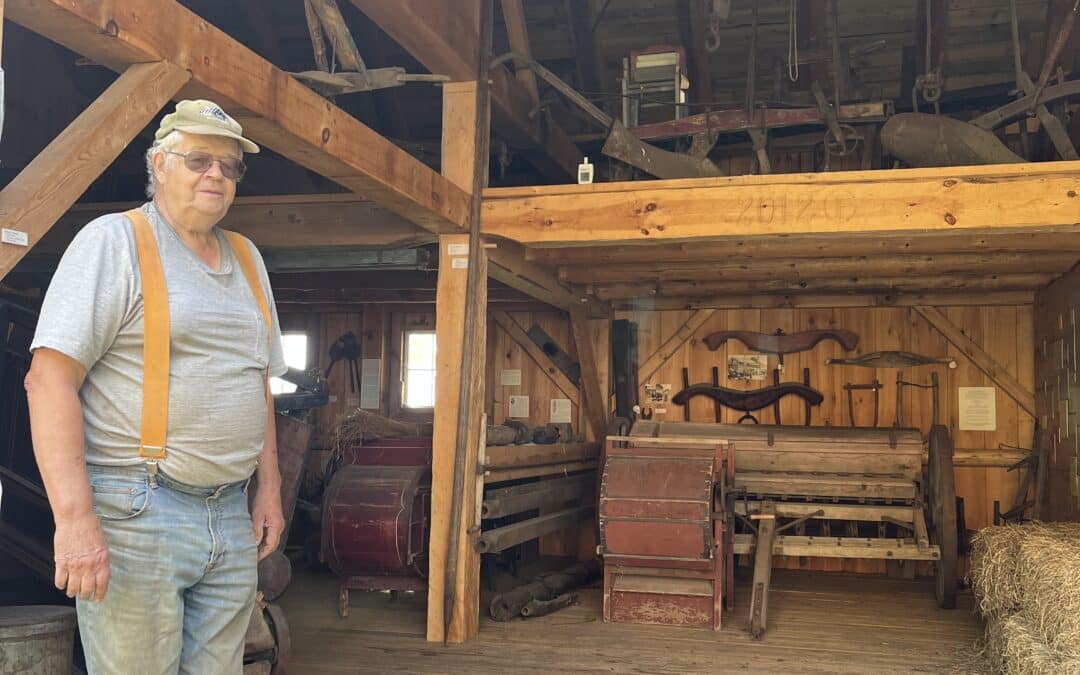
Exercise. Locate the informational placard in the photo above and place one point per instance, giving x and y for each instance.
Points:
(457, 249)
(560, 411)
(14, 237)
(510, 378)
(747, 367)
(369, 383)
(459, 263)
(519, 407)
(977, 408)
(657, 393)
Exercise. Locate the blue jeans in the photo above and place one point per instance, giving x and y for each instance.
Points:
(183, 574)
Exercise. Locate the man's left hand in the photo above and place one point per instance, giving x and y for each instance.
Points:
(268, 521)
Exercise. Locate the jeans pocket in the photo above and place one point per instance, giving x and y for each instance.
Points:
(119, 497)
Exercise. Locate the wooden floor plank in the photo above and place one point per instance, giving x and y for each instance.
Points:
(818, 623)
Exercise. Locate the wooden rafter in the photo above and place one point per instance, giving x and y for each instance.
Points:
(997, 373)
(673, 344)
(519, 336)
(439, 34)
(582, 18)
(692, 23)
(51, 183)
(276, 110)
(507, 264)
(1034, 197)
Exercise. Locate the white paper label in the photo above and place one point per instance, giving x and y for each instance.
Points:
(977, 408)
(459, 263)
(560, 411)
(457, 249)
(519, 407)
(369, 383)
(510, 378)
(14, 237)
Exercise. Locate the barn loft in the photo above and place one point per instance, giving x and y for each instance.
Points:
(740, 334)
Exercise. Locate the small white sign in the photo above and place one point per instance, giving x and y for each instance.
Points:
(519, 407)
(459, 263)
(14, 237)
(977, 408)
(510, 378)
(560, 411)
(457, 249)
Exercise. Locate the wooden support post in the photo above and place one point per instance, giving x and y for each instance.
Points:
(692, 24)
(460, 333)
(759, 598)
(595, 402)
(542, 361)
(673, 344)
(982, 360)
(50, 184)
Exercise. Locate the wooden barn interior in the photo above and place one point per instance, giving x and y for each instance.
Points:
(817, 256)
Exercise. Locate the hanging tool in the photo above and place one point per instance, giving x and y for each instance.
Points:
(781, 343)
(1055, 52)
(686, 384)
(900, 384)
(1032, 482)
(347, 348)
(718, 410)
(850, 388)
(891, 359)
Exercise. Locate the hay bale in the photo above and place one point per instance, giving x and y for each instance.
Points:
(996, 575)
(1015, 647)
(361, 426)
(1049, 567)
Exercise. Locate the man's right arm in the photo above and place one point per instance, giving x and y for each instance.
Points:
(56, 424)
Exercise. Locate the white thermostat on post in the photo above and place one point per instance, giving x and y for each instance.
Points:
(584, 171)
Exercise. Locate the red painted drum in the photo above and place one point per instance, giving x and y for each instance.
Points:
(376, 519)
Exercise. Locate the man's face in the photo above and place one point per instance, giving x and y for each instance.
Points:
(210, 193)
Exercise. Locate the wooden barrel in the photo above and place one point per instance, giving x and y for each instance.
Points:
(376, 521)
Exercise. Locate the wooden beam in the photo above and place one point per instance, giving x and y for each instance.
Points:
(807, 269)
(50, 184)
(517, 34)
(333, 24)
(692, 24)
(507, 265)
(836, 301)
(1067, 239)
(997, 373)
(518, 335)
(442, 37)
(673, 344)
(595, 402)
(730, 121)
(874, 284)
(985, 198)
(276, 110)
(581, 16)
(284, 221)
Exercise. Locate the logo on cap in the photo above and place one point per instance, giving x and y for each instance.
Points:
(214, 112)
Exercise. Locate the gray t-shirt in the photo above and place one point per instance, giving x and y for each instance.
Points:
(219, 351)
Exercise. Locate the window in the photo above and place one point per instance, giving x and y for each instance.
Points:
(418, 374)
(295, 347)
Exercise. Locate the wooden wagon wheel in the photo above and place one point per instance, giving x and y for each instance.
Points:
(282, 638)
(942, 507)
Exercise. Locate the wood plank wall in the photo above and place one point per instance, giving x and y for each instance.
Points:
(1005, 333)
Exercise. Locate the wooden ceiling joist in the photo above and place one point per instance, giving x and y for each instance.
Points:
(507, 264)
(793, 247)
(1042, 197)
(276, 110)
(836, 301)
(442, 35)
(906, 284)
(50, 184)
(810, 269)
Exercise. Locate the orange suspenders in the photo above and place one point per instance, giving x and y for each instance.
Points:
(155, 409)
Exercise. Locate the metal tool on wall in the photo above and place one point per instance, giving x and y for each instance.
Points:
(901, 383)
(850, 388)
(347, 348)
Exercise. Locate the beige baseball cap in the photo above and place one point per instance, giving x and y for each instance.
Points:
(205, 118)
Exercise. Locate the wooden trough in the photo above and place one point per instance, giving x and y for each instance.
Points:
(810, 492)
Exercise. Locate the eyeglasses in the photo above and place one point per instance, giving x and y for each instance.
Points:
(200, 162)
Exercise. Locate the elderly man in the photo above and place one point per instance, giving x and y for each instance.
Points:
(150, 412)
